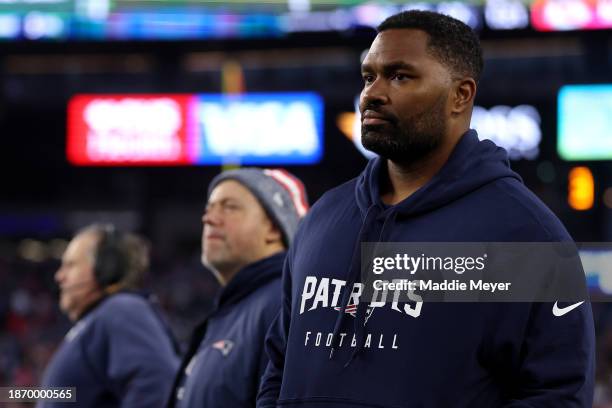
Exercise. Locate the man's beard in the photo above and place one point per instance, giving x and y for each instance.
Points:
(409, 141)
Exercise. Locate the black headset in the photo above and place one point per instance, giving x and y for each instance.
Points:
(111, 259)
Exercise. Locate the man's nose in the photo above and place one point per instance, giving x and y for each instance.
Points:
(59, 275)
(211, 217)
(374, 94)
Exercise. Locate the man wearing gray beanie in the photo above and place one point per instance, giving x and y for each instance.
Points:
(249, 222)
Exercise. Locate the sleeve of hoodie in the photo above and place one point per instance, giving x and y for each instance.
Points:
(139, 363)
(554, 366)
(276, 343)
(557, 363)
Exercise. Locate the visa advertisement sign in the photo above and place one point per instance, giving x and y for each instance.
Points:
(195, 129)
(284, 128)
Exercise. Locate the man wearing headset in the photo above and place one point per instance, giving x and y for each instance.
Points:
(119, 353)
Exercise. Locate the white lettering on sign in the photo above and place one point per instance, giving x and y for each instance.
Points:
(259, 129)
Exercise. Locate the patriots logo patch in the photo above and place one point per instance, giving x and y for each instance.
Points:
(350, 309)
(224, 346)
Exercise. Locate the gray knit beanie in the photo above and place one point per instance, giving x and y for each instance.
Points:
(280, 193)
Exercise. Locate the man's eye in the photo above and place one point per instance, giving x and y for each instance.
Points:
(400, 77)
(368, 79)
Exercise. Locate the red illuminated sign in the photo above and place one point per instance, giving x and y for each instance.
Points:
(129, 130)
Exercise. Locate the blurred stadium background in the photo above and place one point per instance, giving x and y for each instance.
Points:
(123, 111)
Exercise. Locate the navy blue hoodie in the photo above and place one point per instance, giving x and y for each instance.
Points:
(226, 358)
(423, 355)
(119, 354)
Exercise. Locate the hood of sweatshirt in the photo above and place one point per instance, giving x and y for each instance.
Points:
(472, 164)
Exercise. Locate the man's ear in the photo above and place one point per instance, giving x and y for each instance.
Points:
(463, 95)
(273, 234)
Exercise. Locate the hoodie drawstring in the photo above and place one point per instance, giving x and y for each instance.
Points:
(360, 317)
(352, 276)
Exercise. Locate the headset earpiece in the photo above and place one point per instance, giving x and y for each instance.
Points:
(111, 260)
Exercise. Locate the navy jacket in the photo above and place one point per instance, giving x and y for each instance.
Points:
(423, 355)
(119, 354)
(226, 358)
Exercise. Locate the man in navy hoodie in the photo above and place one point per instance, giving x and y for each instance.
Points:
(250, 219)
(120, 352)
(433, 182)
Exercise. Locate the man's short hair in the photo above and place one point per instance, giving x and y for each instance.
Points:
(451, 42)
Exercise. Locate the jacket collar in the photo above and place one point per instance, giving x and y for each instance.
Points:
(250, 278)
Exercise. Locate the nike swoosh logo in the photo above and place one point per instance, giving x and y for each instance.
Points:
(560, 311)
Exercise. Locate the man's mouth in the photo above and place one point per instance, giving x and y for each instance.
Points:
(374, 121)
(214, 237)
(373, 118)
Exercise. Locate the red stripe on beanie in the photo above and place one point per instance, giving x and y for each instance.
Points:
(294, 187)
